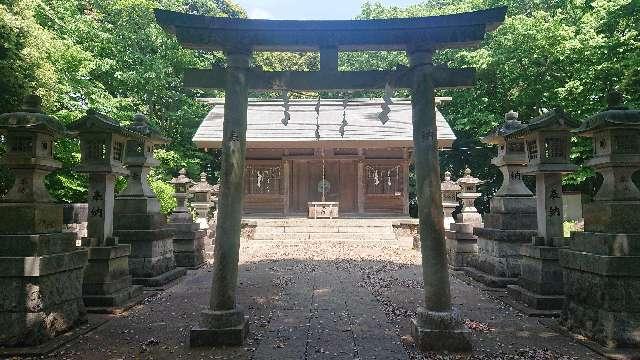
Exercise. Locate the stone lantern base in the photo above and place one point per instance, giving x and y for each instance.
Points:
(107, 283)
(188, 245)
(602, 283)
(151, 262)
(440, 331)
(220, 328)
(540, 285)
(462, 245)
(511, 223)
(41, 281)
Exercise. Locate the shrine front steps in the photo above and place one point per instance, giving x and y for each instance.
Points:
(343, 230)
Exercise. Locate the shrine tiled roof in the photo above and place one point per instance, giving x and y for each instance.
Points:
(265, 127)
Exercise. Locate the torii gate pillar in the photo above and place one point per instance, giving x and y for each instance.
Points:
(437, 326)
(224, 323)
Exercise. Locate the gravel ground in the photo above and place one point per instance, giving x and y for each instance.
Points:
(320, 300)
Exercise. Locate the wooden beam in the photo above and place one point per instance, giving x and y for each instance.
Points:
(443, 77)
(435, 32)
(329, 59)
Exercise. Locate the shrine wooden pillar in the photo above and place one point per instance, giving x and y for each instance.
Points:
(286, 186)
(436, 326)
(406, 163)
(360, 182)
(224, 323)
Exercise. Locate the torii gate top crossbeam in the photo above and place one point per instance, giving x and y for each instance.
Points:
(228, 34)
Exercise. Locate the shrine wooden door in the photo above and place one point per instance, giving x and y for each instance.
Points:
(306, 175)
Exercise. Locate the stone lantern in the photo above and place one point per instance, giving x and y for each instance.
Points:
(600, 265)
(181, 185)
(511, 220)
(511, 158)
(202, 200)
(468, 194)
(547, 138)
(450, 190)
(548, 145)
(188, 241)
(102, 149)
(462, 247)
(138, 220)
(41, 276)
(107, 283)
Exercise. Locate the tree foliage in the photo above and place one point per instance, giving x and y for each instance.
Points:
(547, 54)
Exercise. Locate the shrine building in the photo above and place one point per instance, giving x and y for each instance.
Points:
(366, 162)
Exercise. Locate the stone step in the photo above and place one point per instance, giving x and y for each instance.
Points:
(295, 222)
(273, 230)
(334, 240)
(324, 236)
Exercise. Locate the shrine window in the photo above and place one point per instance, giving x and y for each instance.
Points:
(626, 144)
(383, 180)
(118, 149)
(21, 144)
(532, 149)
(515, 146)
(554, 148)
(261, 179)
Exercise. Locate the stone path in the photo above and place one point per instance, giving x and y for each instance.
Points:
(320, 300)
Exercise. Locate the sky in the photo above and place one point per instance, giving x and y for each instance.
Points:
(309, 9)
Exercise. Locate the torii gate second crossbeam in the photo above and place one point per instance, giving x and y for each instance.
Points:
(436, 326)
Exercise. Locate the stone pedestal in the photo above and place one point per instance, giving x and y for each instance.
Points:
(107, 284)
(602, 264)
(440, 331)
(540, 284)
(601, 285)
(226, 327)
(510, 224)
(41, 278)
(40, 266)
(138, 221)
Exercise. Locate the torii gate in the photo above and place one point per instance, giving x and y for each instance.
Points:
(436, 326)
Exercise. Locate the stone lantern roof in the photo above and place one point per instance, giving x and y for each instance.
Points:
(467, 179)
(510, 125)
(615, 116)
(32, 117)
(95, 122)
(182, 178)
(555, 119)
(142, 126)
(448, 184)
(202, 185)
